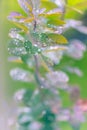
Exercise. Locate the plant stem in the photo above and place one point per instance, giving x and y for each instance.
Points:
(37, 75)
(64, 10)
(38, 79)
(35, 24)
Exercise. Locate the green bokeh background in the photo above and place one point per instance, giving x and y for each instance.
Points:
(7, 85)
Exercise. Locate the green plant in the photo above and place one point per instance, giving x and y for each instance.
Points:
(38, 42)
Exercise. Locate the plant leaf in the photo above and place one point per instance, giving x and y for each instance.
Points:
(29, 20)
(14, 59)
(75, 9)
(55, 48)
(81, 4)
(56, 22)
(51, 15)
(75, 2)
(57, 38)
(21, 26)
(26, 5)
(49, 5)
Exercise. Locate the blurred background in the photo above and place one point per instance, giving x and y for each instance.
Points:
(8, 86)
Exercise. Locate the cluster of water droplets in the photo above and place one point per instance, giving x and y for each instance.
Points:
(16, 47)
(41, 39)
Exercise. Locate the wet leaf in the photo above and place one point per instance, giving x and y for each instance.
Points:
(48, 117)
(55, 15)
(35, 50)
(15, 16)
(14, 33)
(56, 22)
(28, 45)
(27, 59)
(48, 5)
(76, 2)
(56, 38)
(26, 5)
(47, 127)
(74, 9)
(43, 38)
(21, 75)
(16, 48)
(24, 119)
(15, 59)
(81, 4)
(27, 96)
(57, 77)
(21, 26)
(19, 95)
(29, 20)
(37, 110)
(31, 48)
(36, 98)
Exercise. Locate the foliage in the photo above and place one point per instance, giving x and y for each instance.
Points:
(38, 42)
